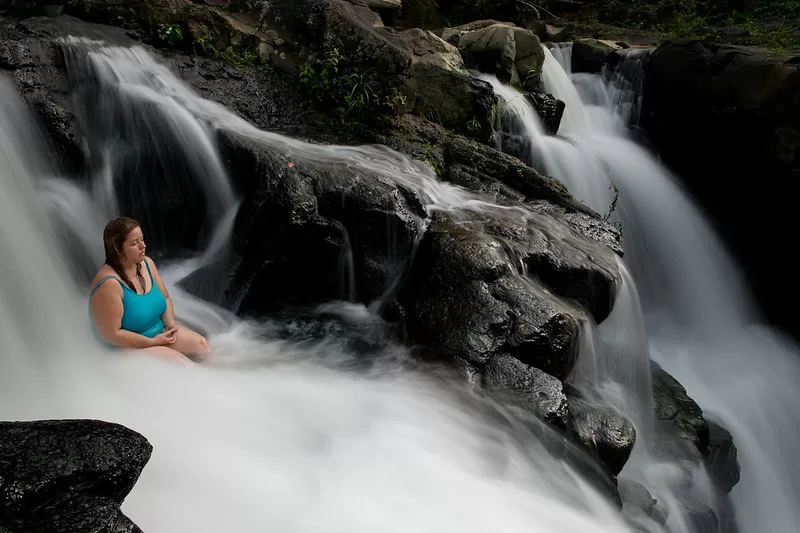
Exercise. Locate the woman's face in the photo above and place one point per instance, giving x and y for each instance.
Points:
(133, 247)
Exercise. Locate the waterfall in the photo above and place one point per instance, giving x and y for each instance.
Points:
(701, 324)
(267, 437)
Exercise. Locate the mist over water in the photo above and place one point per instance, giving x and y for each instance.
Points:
(274, 434)
(700, 322)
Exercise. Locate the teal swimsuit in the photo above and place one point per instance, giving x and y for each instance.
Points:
(141, 312)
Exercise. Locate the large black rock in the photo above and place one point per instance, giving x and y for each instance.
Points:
(508, 378)
(466, 298)
(312, 231)
(673, 407)
(722, 460)
(68, 475)
(607, 434)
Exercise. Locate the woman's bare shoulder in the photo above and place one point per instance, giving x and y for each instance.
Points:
(104, 271)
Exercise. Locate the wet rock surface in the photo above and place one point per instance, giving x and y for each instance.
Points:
(509, 378)
(316, 213)
(673, 406)
(550, 110)
(722, 460)
(68, 475)
(607, 434)
(636, 499)
(589, 55)
(33, 62)
(513, 54)
(685, 432)
(443, 89)
(466, 297)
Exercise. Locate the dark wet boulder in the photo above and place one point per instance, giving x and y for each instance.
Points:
(70, 513)
(586, 224)
(506, 377)
(700, 517)
(441, 88)
(34, 63)
(549, 108)
(607, 434)
(466, 298)
(416, 14)
(513, 54)
(638, 502)
(316, 228)
(563, 259)
(722, 460)
(686, 433)
(589, 55)
(673, 406)
(68, 475)
(488, 166)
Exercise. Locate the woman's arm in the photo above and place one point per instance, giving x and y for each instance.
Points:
(107, 312)
(169, 315)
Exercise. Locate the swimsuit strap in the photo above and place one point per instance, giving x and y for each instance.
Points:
(101, 282)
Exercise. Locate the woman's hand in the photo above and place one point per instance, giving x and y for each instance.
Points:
(166, 337)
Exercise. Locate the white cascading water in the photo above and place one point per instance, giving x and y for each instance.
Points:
(267, 437)
(701, 324)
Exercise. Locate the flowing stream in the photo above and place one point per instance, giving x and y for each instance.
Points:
(697, 319)
(271, 436)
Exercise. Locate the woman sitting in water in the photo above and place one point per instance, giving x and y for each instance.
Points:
(134, 310)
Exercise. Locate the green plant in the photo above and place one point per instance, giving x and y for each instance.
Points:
(787, 9)
(239, 57)
(779, 39)
(171, 34)
(500, 114)
(236, 55)
(532, 76)
(206, 46)
(125, 24)
(431, 114)
(611, 209)
(431, 157)
(396, 103)
(685, 25)
(352, 94)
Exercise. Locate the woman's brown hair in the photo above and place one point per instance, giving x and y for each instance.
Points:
(113, 237)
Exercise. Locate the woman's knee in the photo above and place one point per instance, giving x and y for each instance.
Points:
(192, 344)
(203, 343)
